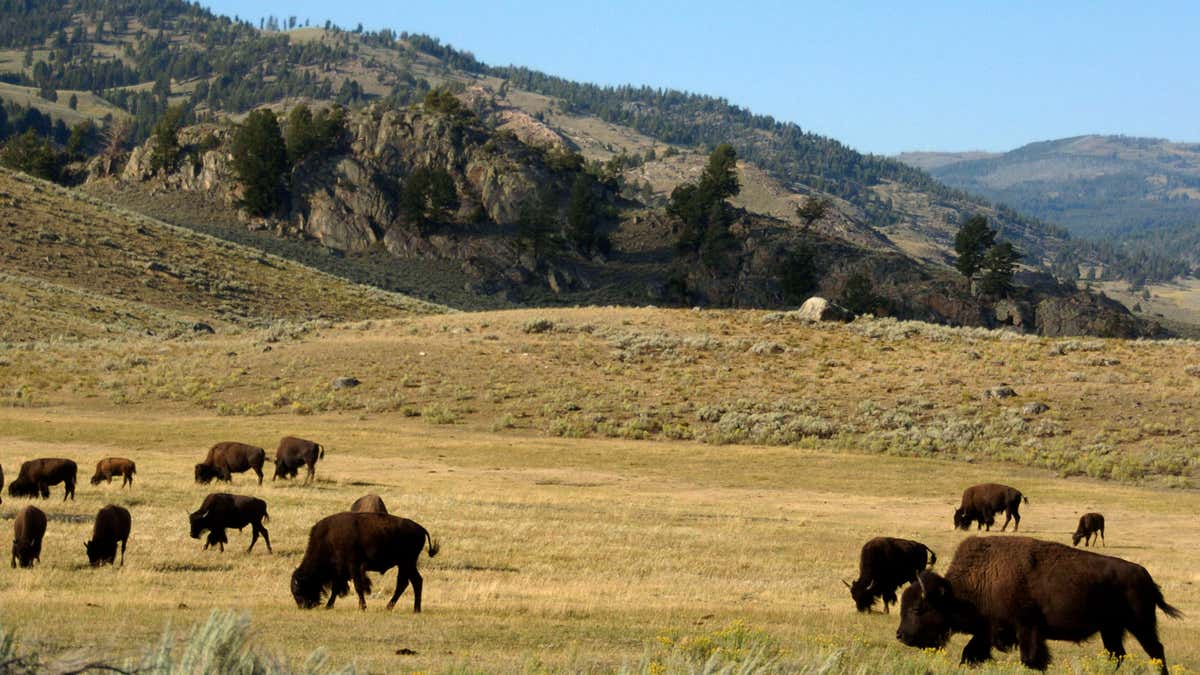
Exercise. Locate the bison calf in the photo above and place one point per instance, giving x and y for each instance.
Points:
(345, 546)
(112, 526)
(981, 503)
(222, 510)
(884, 565)
(37, 475)
(227, 458)
(1007, 591)
(368, 504)
(294, 453)
(28, 529)
(1090, 524)
(114, 466)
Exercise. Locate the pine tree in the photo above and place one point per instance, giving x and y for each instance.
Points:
(260, 161)
(812, 210)
(166, 140)
(998, 266)
(973, 240)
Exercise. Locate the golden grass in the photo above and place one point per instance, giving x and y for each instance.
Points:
(580, 553)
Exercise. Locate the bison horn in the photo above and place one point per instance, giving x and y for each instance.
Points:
(847, 583)
(921, 584)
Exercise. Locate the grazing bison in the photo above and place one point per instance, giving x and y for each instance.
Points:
(28, 529)
(368, 504)
(37, 475)
(884, 565)
(1007, 591)
(345, 546)
(981, 503)
(1089, 525)
(221, 510)
(114, 466)
(294, 453)
(112, 526)
(227, 458)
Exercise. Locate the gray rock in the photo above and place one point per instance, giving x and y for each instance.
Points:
(820, 309)
(345, 382)
(1002, 391)
(1035, 408)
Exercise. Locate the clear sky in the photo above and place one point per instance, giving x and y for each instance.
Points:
(882, 77)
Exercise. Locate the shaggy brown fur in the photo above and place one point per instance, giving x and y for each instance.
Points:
(981, 503)
(1007, 591)
(112, 526)
(227, 458)
(114, 466)
(37, 475)
(345, 546)
(221, 510)
(294, 453)
(884, 565)
(28, 529)
(368, 504)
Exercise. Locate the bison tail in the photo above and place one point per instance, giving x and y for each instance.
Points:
(932, 556)
(132, 468)
(321, 450)
(266, 516)
(1167, 609)
(1025, 498)
(434, 546)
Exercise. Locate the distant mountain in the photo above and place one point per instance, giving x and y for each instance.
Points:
(1142, 194)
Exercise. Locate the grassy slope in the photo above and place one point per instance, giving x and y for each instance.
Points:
(77, 267)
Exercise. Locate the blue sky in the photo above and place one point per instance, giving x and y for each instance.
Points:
(882, 77)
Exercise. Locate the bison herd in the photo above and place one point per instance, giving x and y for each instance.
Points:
(342, 547)
(1012, 591)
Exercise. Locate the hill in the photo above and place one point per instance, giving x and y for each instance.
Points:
(1141, 195)
(888, 229)
(77, 267)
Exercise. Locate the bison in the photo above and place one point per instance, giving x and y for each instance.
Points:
(368, 504)
(227, 458)
(221, 510)
(112, 526)
(1089, 525)
(884, 565)
(28, 529)
(294, 453)
(1006, 591)
(37, 475)
(345, 546)
(981, 503)
(114, 466)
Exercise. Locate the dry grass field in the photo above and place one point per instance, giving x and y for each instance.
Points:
(612, 488)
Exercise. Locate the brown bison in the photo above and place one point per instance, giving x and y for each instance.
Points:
(345, 546)
(227, 458)
(112, 526)
(221, 510)
(981, 503)
(28, 529)
(294, 453)
(37, 475)
(884, 565)
(1090, 524)
(114, 466)
(368, 504)
(1007, 591)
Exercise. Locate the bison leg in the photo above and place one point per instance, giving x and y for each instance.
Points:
(1114, 642)
(258, 470)
(361, 585)
(1034, 653)
(977, 650)
(123, 552)
(402, 577)
(417, 582)
(1147, 636)
(312, 472)
(255, 530)
(1102, 538)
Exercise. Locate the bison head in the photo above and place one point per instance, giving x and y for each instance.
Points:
(99, 553)
(22, 487)
(963, 518)
(1077, 537)
(283, 469)
(860, 590)
(96, 479)
(23, 551)
(199, 523)
(205, 473)
(305, 589)
(927, 611)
